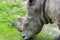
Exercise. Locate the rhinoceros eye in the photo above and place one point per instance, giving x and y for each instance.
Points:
(26, 24)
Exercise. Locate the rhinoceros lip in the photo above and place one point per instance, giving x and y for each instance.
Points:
(27, 38)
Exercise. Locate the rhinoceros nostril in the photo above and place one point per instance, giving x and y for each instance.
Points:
(26, 39)
(23, 36)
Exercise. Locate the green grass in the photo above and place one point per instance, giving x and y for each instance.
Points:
(7, 31)
(9, 10)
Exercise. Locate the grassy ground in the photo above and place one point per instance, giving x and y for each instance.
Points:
(7, 31)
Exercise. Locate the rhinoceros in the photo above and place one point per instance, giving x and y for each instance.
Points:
(39, 12)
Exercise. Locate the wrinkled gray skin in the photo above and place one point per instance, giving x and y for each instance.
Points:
(39, 12)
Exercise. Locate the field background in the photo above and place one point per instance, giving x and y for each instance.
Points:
(8, 10)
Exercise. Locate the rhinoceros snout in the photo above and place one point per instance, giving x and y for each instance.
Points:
(26, 37)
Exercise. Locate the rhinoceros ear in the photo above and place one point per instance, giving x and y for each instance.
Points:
(32, 2)
(18, 25)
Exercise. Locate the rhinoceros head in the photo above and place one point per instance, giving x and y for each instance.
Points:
(31, 24)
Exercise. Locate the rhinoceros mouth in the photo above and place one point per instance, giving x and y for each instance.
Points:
(28, 38)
